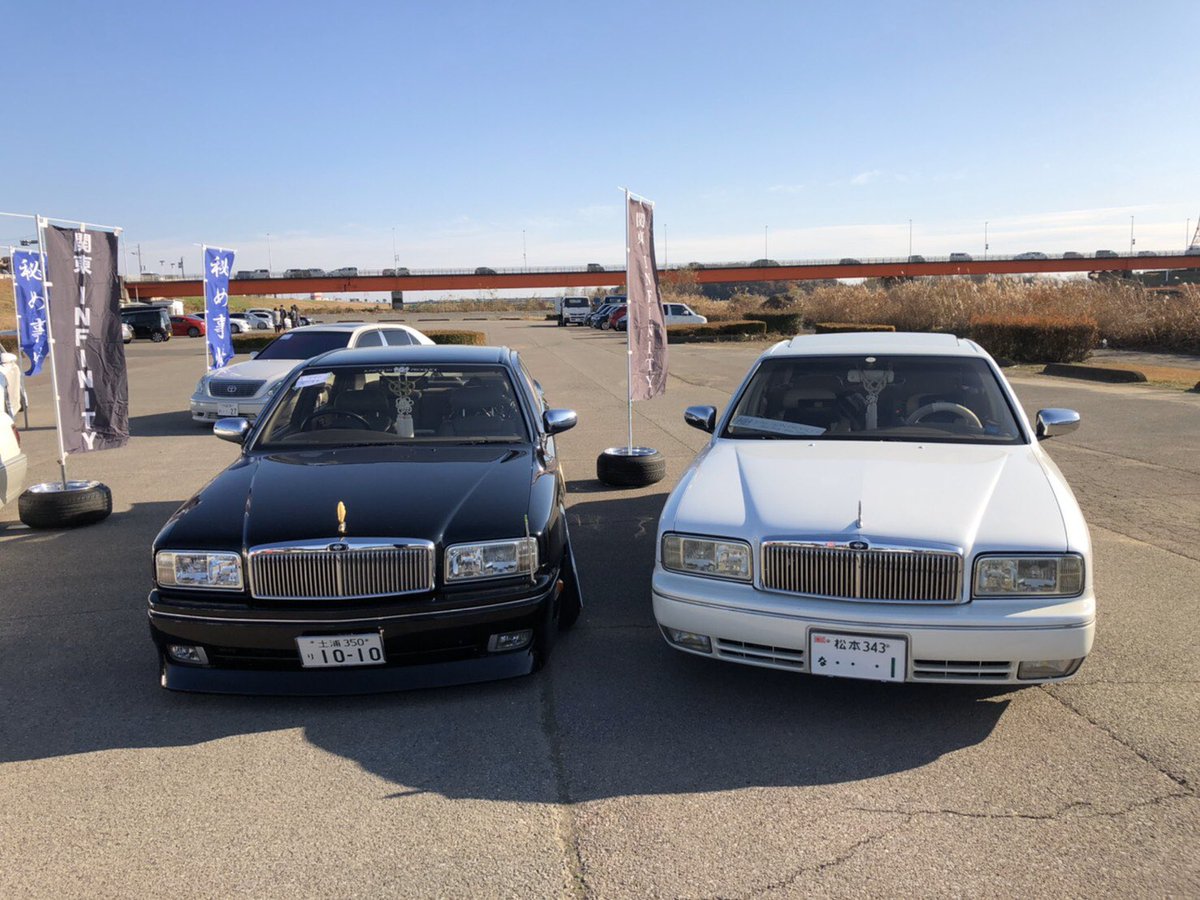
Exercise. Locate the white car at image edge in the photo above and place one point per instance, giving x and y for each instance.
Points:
(12, 461)
(244, 389)
(878, 506)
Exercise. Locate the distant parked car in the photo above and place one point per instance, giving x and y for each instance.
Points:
(244, 388)
(682, 314)
(1147, 253)
(1193, 250)
(243, 273)
(1031, 254)
(259, 320)
(296, 273)
(239, 323)
(916, 259)
(394, 273)
(126, 333)
(1071, 254)
(151, 322)
(595, 267)
(1107, 254)
(849, 261)
(187, 326)
(764, 262)
(960, 257)
(484, 270)
(344, 272)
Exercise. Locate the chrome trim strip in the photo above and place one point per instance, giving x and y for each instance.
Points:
(842, 623)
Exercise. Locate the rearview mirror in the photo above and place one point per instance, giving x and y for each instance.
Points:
(559, 420)
(702, 417)
(233, 430)
(1053, 422)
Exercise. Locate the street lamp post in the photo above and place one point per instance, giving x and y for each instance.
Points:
(766, 254)
(985, 240)
(1132, 240)
(270, 265)
(910, 238)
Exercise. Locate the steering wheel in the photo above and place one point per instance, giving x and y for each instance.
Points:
(331, 413)
(943, 406)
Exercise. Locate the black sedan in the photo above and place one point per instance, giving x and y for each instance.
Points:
(396, 519)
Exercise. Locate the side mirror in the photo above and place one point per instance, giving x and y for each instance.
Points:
(1053, 422)
(233, 430)
(557, 421)
(6, 358)
(702, 417)
(253, 354)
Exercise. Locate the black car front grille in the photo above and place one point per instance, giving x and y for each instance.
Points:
(357, 568)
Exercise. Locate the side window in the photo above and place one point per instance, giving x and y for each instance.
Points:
(370, 338)
(539, 402)
(678, 309)
(396, 337)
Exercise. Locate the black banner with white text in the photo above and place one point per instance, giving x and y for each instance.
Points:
(85, 320)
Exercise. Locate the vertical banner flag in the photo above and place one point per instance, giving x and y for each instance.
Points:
(89, 357)
(217, 265)
(29, 290)
(647, 328)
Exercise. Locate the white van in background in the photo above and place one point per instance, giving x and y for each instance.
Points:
(573, 310)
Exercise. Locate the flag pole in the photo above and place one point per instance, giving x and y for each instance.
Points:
(628, 330)
(207, 323)
(46, 285)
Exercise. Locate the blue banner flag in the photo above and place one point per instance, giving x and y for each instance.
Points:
(217, 265)
(29, 289)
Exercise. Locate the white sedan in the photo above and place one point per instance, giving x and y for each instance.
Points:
(244, 389)
(12, 460)
(878, 506)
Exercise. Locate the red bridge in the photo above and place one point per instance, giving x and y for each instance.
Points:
(594, 276)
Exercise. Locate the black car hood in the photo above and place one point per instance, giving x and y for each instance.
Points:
(437, 493)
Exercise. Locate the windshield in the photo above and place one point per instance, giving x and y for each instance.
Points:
(304, 344)
(576, 301)
(396, 404)
(897, 398)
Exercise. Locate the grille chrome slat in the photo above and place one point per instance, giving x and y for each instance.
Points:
(360, 568)
(840, 572)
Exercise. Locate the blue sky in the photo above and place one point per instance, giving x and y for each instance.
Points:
(482, 132)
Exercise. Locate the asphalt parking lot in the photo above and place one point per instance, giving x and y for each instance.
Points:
(623, 768)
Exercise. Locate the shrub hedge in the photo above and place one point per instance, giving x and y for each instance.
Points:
(245, 343)
(444, 336)
(741, 329)
(779, 323)
(1036, 338)
(849, 327)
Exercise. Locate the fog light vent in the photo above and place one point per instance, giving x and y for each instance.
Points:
(688, 640)
(186, 653)
(509, 640)
(1047, 668)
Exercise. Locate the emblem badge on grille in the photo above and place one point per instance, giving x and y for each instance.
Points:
(341, 514)
(338, 547)
(232, 389)
(858, 545)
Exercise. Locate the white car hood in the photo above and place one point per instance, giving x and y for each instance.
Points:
(256, 370)
(959, 495)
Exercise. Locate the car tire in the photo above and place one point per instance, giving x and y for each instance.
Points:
(49, 506)
(604, 325)
(193, 331)
(157, 336)
(235, 328)
(621, 467)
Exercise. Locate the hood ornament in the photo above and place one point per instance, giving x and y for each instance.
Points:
(858, 522)
(341, 514)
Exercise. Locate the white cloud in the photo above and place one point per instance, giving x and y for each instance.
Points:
(866, 177)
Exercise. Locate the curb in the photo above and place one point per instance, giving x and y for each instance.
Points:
(1094, 373)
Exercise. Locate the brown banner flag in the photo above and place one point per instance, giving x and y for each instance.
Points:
(647, 329)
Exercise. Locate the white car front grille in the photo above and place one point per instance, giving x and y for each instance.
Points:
(842, 572)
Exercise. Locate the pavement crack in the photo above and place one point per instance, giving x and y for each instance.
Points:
(1141, 754)
(566, 832)
(1058, 813)
(845, 856)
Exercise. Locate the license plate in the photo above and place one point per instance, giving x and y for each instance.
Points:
(336, 650)
(857, 656)
(227, 409)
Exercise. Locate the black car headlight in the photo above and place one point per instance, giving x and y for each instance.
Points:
(198, 569)
(714, 557)
(1028, 575)
(491, 559)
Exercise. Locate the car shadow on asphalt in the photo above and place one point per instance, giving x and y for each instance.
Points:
(167, 424)
(614, 713)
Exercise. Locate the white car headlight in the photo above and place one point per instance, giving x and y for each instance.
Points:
(491, 559)
(1029, 576)
(198, 569)
(706, 556)
(202, 385)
